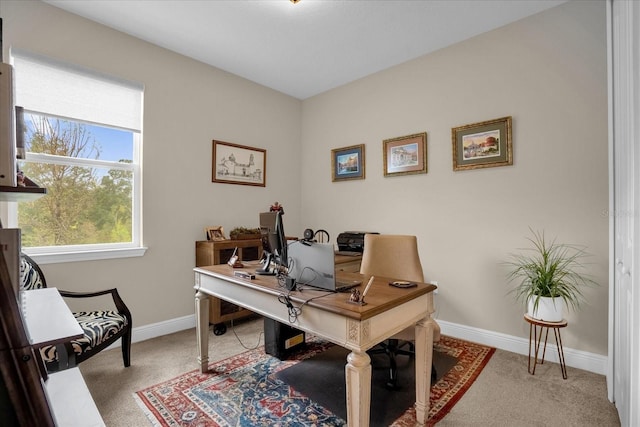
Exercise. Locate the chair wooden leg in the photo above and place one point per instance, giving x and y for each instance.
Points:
(126, 349)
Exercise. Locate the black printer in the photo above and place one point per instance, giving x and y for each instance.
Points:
(352, 241)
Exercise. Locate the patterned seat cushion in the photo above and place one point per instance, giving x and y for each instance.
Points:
(29, 277)
(97, 326)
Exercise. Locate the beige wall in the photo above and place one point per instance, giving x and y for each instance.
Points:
(548, 72)
(186, 105)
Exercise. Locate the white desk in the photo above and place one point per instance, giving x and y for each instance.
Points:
(357, 328)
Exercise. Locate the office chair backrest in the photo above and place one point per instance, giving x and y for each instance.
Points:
(392, 256)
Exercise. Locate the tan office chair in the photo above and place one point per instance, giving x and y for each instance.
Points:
(394, 256)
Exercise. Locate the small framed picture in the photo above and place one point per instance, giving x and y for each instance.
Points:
(215, 233)
(238, 164)
(482, 145)
(347, 163)
(405, 155)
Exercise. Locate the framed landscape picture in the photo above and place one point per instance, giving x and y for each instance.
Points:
(405, 155)
(482, 145)
(238, 164)
(347, 163)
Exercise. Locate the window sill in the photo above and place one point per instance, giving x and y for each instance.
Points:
(93, 255)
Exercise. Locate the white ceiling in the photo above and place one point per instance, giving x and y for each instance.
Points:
(306, 48)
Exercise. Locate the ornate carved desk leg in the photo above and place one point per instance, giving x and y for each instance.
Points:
(202, 330)
(358, 378)
(424, 358)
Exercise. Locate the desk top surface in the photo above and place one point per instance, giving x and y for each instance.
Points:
(381, 297)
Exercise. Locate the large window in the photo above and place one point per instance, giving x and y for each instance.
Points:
(82, 138)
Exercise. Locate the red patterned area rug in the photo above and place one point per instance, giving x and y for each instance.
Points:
(243, 391)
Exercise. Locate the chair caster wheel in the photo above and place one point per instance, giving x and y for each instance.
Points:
(219, 329)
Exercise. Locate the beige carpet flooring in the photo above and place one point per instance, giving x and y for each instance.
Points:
(503, 395)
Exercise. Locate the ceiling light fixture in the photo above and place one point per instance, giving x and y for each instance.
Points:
(294, 1)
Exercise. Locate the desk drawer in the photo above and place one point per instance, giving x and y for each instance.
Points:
(349, 264)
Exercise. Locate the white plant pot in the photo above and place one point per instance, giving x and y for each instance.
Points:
(549, 309)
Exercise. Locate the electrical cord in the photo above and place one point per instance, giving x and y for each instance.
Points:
(240, 341)
(281, 277)
(307, 282)
(295, 311)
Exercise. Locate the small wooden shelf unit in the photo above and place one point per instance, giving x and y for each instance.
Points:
(213, 252)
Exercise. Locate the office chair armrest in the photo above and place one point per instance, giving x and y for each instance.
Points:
(119, 303)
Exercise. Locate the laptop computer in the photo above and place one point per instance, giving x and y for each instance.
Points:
(313, 264)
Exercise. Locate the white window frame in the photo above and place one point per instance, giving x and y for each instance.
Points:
(71, 253)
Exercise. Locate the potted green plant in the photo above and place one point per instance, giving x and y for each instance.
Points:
(244, 233)
(548, 276)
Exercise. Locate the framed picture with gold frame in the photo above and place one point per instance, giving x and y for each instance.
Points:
(238, 164)
(215, 233)
(347, 163)
(405, 155)
(482, 145)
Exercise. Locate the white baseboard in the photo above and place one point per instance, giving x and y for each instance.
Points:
(574, 358)
(154, 330)
(167, 327)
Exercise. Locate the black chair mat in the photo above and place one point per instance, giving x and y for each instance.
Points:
(321, 378)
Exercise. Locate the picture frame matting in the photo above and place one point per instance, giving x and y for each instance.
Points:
(405, 155)
(348, 163)
(482, 145)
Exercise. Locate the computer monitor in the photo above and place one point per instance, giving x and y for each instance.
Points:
(274, 242)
